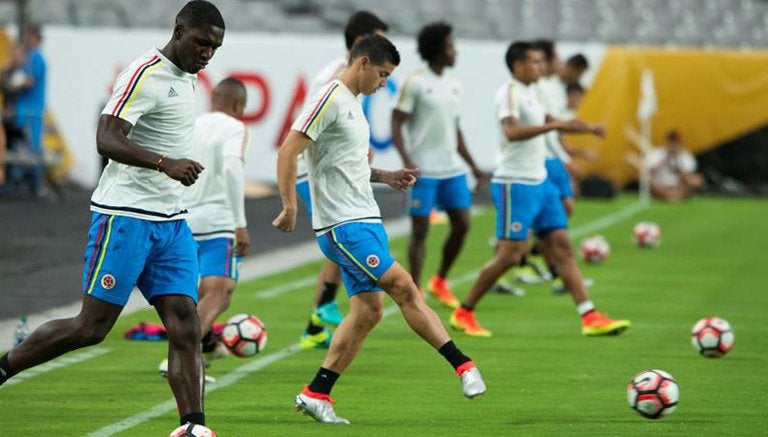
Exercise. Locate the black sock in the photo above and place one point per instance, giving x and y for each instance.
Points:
(5, 370)
(553, 271)
(328, 294)
(535, 250)
(523, 260)
(324, 380)
(453, 354)
(313, 329)
(467, 307)
(209, 342)
(198, 418)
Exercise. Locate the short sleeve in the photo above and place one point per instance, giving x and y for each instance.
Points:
(406, 101)
(687, 161)
(237, 141)
(133, 94)
(319, 113)
(508, 102)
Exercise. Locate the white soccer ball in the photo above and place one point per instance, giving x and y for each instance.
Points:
(653, 393)
(595, 249)
(244, 335)
(192, 430)
(647, 234)
(712, 337)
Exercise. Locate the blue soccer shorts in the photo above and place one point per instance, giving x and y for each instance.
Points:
(362, 251)
(521, 207)
(559, 176)
(446, 194)
(160, 258)
(302, 189)
(218, 257)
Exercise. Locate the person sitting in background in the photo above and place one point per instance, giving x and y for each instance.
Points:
(673, 170)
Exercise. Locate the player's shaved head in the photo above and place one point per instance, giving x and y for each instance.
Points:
(229, 97)
(199, 13)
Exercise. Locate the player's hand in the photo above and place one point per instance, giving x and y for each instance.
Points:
(598, 131)
(401, 179)
(185, 171)
(286, 220)
(243, 241)
(481, 177)
(575, 126)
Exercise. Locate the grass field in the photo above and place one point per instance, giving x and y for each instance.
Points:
(543, 377)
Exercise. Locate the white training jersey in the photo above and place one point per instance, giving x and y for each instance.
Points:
(330, 72)
(521, 161)
(339, 173)
(667, 169)
(433, 102)
(216, 200)
(158, 99)
(555, 100)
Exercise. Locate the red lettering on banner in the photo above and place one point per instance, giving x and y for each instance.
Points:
(205, 81)
(294, 108)
(258, 81)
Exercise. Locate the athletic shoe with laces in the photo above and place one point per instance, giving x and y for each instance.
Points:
(321, 340)
(558, 286)
(472, 384)
(329, 313)
(163, 369)
(527, 274)
(318, 406)
(594, 323)
(439, 288)
(464, 320)
(504, 287)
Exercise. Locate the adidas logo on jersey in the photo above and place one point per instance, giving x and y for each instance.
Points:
(350, 116)
(172, 93)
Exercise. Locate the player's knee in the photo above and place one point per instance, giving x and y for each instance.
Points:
(89, 334)
(460, 227)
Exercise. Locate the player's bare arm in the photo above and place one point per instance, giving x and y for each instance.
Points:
(576, 126)
(112, 141)
(400, 180)
(481, 176)
(295, 143)
(516, 131)
(399, 118)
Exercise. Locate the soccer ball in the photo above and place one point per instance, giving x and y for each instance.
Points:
(647, 234)
(712, 337)
(244, 335)
(595, 249)
(192, 430)
(653, 393)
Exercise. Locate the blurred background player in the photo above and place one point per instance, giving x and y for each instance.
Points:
(347, 221)
(216, 204)
(525, 199)
(138, 235)
(326, 309)
(573, 69)
(673, 170)
(429, 107)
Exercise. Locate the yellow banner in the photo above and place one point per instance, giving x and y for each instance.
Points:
(709, 96)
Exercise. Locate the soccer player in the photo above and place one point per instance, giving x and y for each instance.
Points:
(138, 235)
(326, 309)
(335, 135)
(216, 206)
(525, 199)
(429, 106)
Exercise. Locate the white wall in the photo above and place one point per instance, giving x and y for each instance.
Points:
(82, 64)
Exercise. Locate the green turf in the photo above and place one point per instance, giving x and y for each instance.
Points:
(543, 377)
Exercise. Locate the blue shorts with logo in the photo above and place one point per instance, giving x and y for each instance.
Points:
(361, 250)
(559, 176)
(160, 258)
(521, 207)
(302, 189)
(218, 257)
(446, 194)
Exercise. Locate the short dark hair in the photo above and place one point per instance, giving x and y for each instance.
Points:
(231, 82)
(432, 38)
(518, 51)
(199, 13)
(362, 23)
(578, 61)
(574, 87)
(547, 46)
(34, 29)
(378, 49)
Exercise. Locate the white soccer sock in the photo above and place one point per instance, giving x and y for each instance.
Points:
(585, 307)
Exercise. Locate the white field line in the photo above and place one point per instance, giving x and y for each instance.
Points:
(75, 358)
(258, 364)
